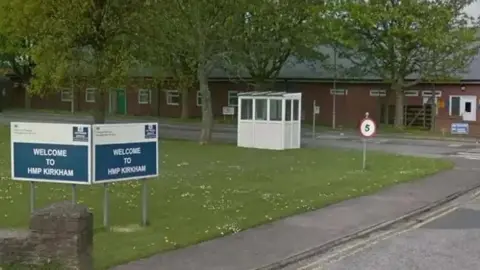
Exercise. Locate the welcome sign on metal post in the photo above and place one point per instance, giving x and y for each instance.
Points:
(84, 154)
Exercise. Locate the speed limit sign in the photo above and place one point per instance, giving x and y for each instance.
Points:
(368, 127)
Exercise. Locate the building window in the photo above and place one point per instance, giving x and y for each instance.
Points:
(144, 96)
(199, 99)
(232, 98)
(378, 93)
(90, 95)
(260, 109)
(275, 110)
(454, 108)
(66, 94)
(429, 93)
(411, 93)
(338, 92)
(173, 97)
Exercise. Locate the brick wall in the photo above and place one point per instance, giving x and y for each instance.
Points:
(60, 234)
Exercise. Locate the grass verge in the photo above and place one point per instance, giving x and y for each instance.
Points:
(210, 191)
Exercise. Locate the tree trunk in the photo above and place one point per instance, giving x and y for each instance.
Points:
(185, 112)
(386, 105)
(28, 101)
(207, 114)
(399, 100)
(99, 114)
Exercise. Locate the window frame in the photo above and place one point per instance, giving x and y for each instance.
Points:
(89, 91)
(199, 98)
(378, 93)
(172, 93)
(62, 93)
(141, 92)
(338, 92)
(229, 97)
(411, 93)
(428, 93)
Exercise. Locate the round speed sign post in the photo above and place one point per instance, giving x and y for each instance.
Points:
(368, 128)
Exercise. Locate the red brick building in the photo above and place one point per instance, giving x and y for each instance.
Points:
(347, 98)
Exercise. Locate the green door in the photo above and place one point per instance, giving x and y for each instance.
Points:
(121, 102)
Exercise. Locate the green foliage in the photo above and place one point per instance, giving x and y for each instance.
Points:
(76, 38)
(413, 39)
(272, 31)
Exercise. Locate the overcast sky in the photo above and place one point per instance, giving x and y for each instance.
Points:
(474, 9)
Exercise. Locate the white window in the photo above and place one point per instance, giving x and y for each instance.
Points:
(90, 95)
(232, 98)
(173, 97)
(66, 94)
(429, 93)
(378, 93)
(199, 99)
(144, 96)
(338, 92)
(411, 93)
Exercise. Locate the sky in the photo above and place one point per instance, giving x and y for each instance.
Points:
(474, 9)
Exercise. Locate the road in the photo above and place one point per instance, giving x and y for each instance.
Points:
(447, 240)
(223, 133)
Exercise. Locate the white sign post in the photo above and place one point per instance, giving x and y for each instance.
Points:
(228, 110)
(368, 128)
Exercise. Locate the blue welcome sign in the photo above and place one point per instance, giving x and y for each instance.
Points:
(125, 152)
(48, 152)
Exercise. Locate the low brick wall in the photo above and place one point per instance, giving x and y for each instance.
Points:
(60, 234)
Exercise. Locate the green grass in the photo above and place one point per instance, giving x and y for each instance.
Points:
(210, 191)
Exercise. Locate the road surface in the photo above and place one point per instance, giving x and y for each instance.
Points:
(450, 240)
(222, 133)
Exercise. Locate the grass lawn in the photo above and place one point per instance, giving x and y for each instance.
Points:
(209, 191)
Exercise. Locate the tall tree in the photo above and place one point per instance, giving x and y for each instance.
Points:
(16, 39)
(405, 42)
(272, 32)
(104, 34)
(202, 31)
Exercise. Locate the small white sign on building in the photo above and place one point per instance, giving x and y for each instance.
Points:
(228, 110)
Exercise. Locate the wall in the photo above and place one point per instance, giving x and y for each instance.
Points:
(444, 120)
(61, 234)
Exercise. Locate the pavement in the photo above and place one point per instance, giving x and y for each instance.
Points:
(265, 245)
(448, 241)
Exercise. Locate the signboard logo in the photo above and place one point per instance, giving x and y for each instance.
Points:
(150, 131)
(80, 134)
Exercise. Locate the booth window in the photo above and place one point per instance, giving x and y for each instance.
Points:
(296, 105)
(275, 110)
(247, 109)
(288, 110)
(260, 109)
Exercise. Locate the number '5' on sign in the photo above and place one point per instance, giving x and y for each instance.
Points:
(368, 127)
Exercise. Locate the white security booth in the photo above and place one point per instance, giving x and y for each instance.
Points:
(269, 120)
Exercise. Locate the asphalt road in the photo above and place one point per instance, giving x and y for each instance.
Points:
(222, 133)
(449, 241)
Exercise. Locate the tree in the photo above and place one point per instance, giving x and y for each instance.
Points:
(272, 32)
(103, 34)
(407, 42)
(201, 31)
(16, 40)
